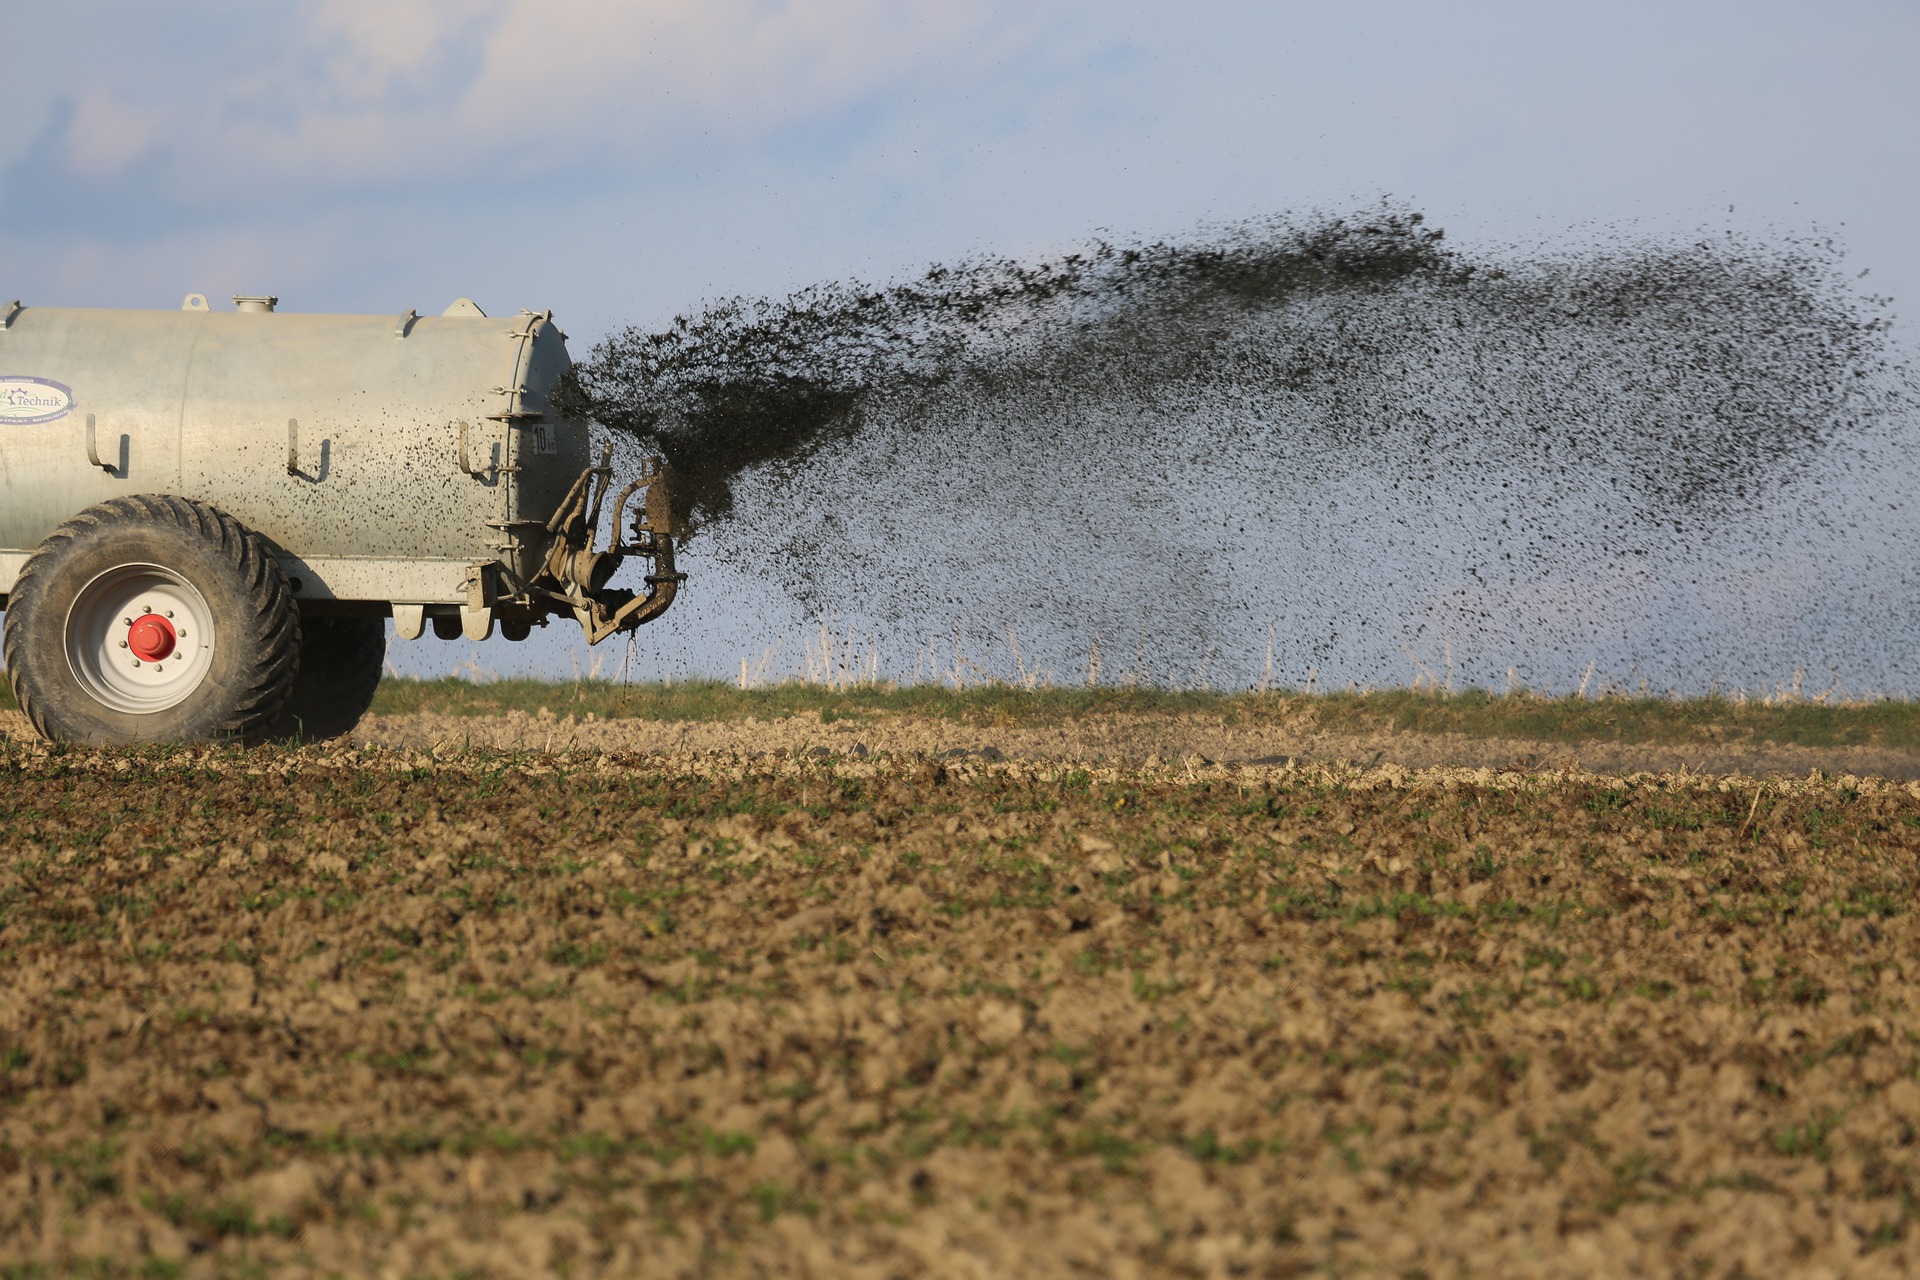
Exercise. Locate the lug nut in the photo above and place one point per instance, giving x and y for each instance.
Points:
(169, 613)
(123, 644)
(136, 662)
(146, 608)
(157, 667)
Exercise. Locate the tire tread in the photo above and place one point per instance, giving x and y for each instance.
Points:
(270, 627)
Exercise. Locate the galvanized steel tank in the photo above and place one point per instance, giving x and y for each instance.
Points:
(385, 457)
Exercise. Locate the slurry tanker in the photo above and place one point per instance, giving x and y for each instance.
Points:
(207, 518)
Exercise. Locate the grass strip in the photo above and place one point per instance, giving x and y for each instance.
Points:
(1472, 713)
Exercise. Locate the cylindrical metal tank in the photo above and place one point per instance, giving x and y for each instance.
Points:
(385, 457)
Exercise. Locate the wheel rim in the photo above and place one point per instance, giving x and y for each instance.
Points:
(140, 638)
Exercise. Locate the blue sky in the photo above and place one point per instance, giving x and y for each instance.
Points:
(618, 160)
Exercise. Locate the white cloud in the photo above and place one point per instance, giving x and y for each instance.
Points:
(372, 91)
(106, 135)
(370, 51)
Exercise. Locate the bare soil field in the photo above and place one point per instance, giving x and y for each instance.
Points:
(455, 999)
(1127, 740)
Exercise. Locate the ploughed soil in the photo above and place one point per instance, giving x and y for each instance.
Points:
(1298, 736)
(443, 1009)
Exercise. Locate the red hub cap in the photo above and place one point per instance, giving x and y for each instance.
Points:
(151, 637)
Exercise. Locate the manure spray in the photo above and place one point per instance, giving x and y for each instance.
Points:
(1678, 459)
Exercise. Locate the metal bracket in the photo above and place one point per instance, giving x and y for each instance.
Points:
(293, 446)
(409, 621)
(93, 452)
(8, 312)
(513, 385)
(476, 615)
(405, 323)
(656, 509)
(529, 323)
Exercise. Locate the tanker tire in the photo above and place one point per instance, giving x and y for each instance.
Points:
(341, 660)
(175, 550)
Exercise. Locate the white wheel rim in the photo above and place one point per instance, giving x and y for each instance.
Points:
(140, 638)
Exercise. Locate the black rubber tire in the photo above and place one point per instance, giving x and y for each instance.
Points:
(255, 655)
(341, 661)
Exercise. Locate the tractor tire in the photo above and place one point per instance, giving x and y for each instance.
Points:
(341, 660)
(152, 619)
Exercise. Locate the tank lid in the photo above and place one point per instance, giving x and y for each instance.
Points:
(263, 302)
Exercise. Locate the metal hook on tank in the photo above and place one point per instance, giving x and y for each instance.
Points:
(465, 457)
(93, 451)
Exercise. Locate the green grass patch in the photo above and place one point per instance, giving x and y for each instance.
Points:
(1892, 725)
(718, 700)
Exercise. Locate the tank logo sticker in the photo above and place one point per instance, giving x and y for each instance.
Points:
(26, 402)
